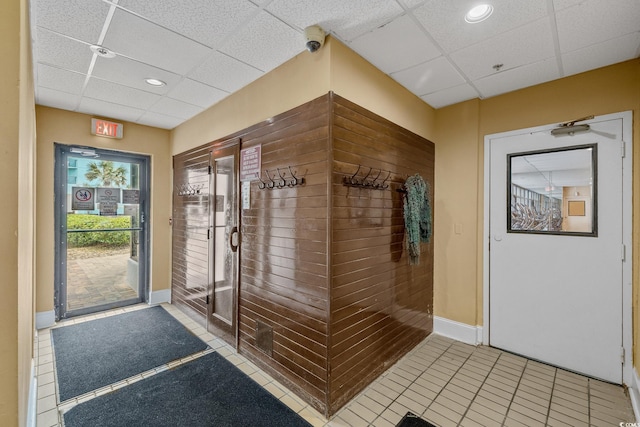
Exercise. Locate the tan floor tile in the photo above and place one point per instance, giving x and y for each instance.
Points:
(420, 398)
(503, 399)
(381, 422)
(455, 397)
(452, 405)
(490, 404)
(378, 397)
(456, 389)
(511, 422)
(523, 419)
(541, 409)
(438, 419)
(527, 412)
(578, 415)
(567, 419)
(445, 412)
(47, 419)
(483, 419)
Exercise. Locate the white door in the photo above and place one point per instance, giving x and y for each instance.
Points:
(556, 247)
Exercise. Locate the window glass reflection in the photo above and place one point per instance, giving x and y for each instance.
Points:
(553, 192)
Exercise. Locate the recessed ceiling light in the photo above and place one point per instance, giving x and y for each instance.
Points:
(154, 82)
(478, 13)
(102, 51)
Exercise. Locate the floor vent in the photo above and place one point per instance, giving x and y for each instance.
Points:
(264, 337)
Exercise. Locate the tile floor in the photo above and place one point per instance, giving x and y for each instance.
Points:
(446, 382)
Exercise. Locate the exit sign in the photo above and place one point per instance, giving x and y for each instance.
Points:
(108, 129)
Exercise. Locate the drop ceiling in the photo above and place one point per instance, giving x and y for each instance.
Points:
(204, 50)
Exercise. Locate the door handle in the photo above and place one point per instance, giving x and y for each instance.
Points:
(233, 239)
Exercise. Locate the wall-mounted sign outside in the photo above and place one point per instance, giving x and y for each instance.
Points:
(83, 199)
(250, 162)
(107, 129)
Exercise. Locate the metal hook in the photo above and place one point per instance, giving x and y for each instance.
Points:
(364, 181)
(354, 181)
(272, 183)
(262, 184)
(283, 182)
(382, 186)
(294, 180)
(373, 183)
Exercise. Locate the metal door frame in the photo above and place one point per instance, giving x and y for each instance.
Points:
(627, 235)
(61, 154)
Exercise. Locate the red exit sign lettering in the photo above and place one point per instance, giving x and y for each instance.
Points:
(107, 129)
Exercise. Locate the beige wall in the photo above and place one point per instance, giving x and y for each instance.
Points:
(70, 128)
(460, 166)
(355, 79)
(17, 166)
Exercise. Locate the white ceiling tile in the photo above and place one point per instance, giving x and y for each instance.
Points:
(146, 42)
(523, 45)
(411, 3)
(56, 99)
(450, 96)
(81, 19)
(265, 43)
(118, 94)
(206, 21)
(225, 73)
(380, 46)
(175, 108)
(518, 78)
(600, 55)
(595, 21)
(563, 4)
(106, 109)
(429, 77)
(197, 93)
(347, 19)
(62, 52)
(60, 80)
(159, 120)
(444, 19)
(128, 72)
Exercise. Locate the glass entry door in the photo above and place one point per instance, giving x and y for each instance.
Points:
(224, 225)
(101, 221)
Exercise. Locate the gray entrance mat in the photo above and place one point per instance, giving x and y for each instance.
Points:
(100, 352)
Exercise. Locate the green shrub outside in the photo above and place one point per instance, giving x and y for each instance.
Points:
(102, 238)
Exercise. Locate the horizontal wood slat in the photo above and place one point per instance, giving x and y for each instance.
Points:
(322, 264)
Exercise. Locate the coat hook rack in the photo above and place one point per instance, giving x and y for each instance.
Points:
(189, 189)
(367, 182)
(278, 179)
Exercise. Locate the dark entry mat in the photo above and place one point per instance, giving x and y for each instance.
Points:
(100, 352)
(208, 391)
(412, 420)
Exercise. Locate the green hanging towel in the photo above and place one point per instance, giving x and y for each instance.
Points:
(417, 216)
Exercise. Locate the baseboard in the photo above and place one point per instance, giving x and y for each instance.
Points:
(33, 397)
(158, 297)
(45, 319)
(633, 394)
(458, 331)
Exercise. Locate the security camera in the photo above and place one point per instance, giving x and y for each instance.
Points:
(315, 38)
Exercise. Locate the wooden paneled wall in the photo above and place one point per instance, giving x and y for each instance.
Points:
(284, 272)
(380, 305)
(323, 265)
